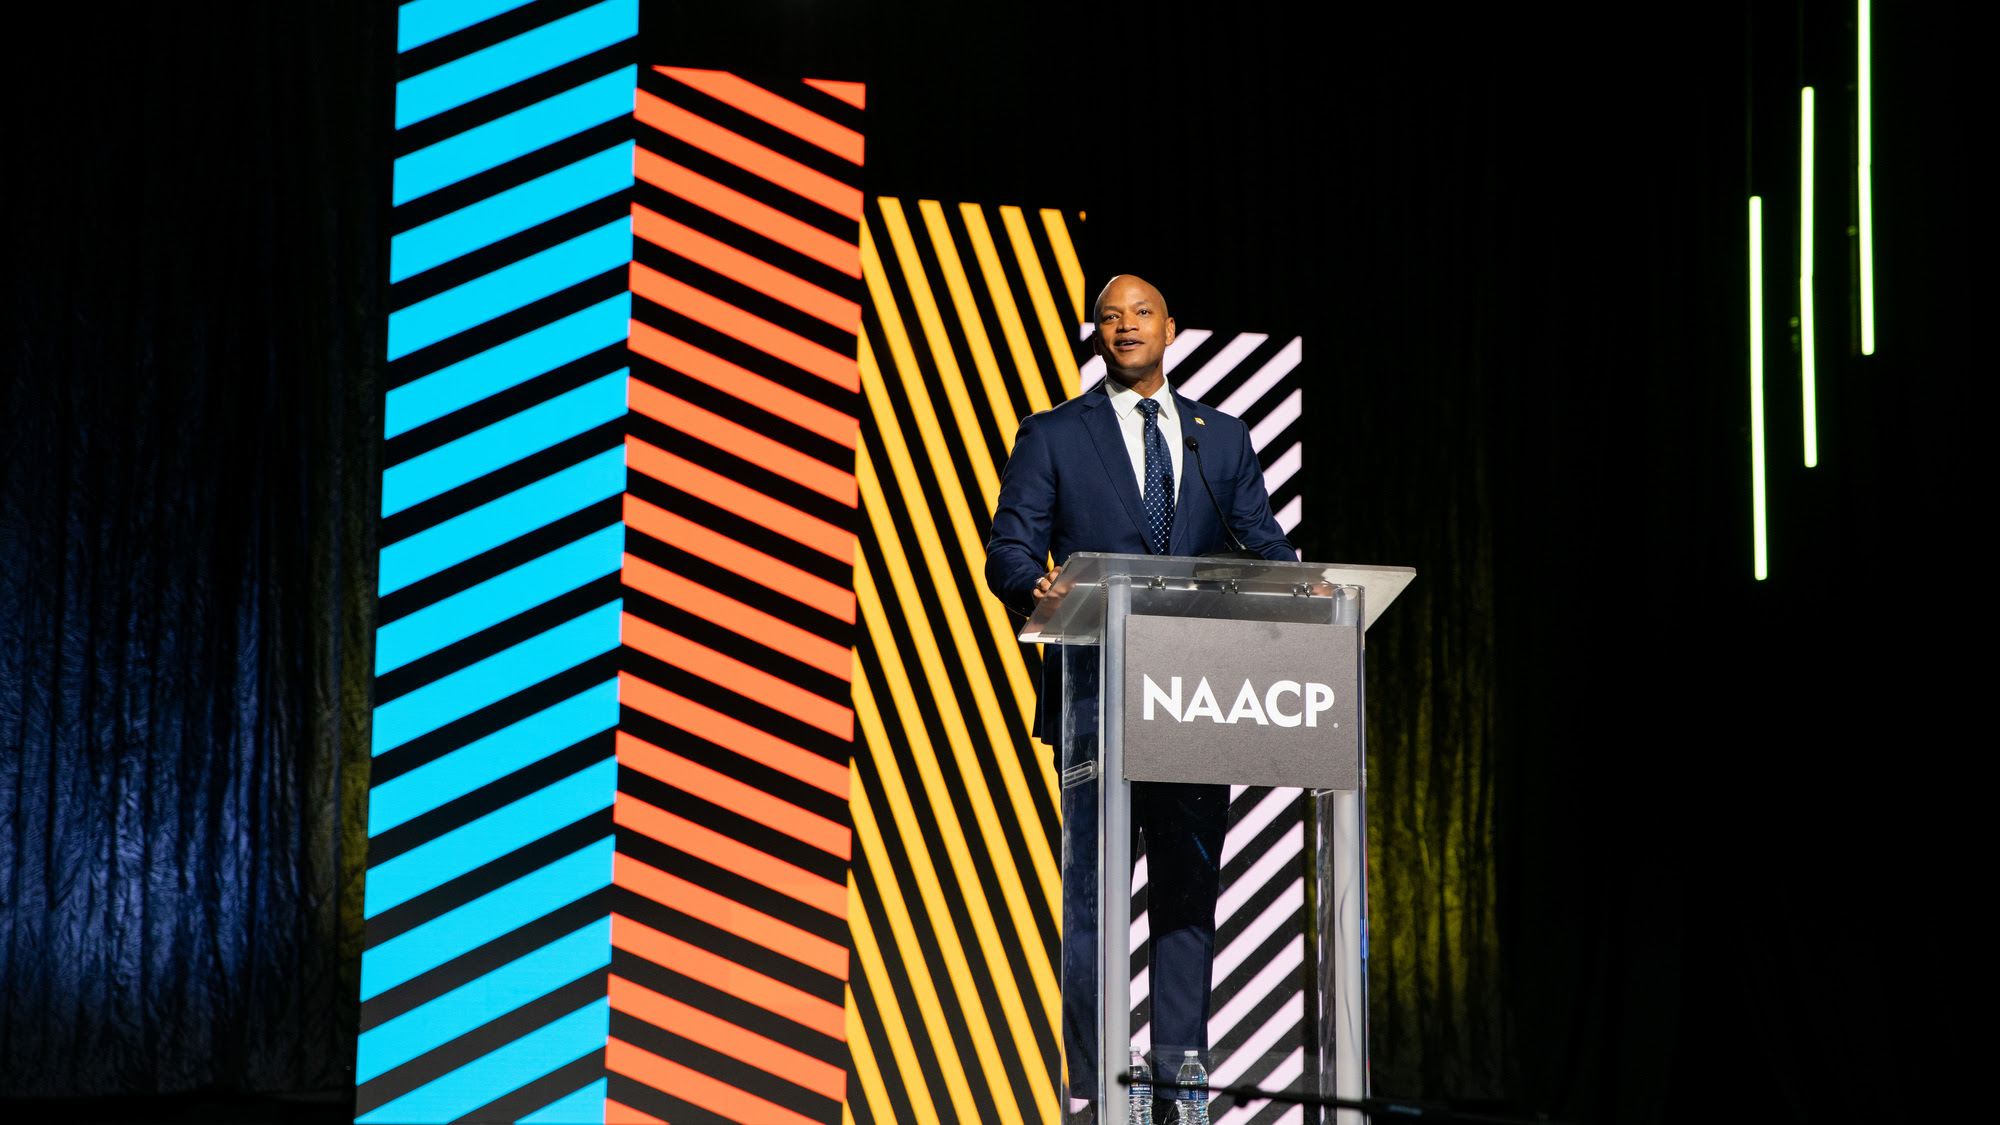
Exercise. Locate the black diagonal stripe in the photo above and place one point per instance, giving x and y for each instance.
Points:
(718, 698)
(705, 1060)
(508, 325)
(666, 1107)
(508, 478)
(508, 99)
(734, 525)
(475, 264)
(487, 720)
(481, 186)
(706, 996)
(524, 626)
(524, 860)
(551, 1087)
(504, 404)
(697, 217)
(728, 762)
(713, 167)
(760, 478)
(753, 301)
(737, 888)
(776, 426)
(732, 644)
(476, 963)
(529, 779)
(481, 1041)
(485, 33)
(533, 545)
(742, 829)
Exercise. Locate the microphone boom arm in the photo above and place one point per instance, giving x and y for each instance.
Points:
(1240, 551)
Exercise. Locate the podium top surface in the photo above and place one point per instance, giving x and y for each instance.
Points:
(1073, 610)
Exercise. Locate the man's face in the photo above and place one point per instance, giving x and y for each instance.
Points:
(1133, 329)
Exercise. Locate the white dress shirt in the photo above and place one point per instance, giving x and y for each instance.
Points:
(1132, 424)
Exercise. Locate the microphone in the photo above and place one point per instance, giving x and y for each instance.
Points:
(1240, 552)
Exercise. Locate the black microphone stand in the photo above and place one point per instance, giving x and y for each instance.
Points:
(1239, 551)
(1384, 1107)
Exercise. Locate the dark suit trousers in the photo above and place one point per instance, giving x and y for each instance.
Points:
(1183, 828)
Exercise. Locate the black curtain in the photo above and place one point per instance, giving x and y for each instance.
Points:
(187, 437)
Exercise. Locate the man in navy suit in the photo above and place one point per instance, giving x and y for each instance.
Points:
(1111, 471)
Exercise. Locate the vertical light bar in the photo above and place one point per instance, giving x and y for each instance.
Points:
(1757, 525)
(1865, 156)
(1810, 404)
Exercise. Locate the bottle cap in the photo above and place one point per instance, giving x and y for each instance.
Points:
(1188, 1054)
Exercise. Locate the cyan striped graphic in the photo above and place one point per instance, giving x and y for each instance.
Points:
(490, 820)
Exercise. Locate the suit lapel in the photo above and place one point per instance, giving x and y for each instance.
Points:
(1102, 422)
(1190, 490)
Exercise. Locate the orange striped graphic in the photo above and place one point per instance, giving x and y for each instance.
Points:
(766, 1054)
(747, 327)
(760, 103)
(747, 985)
(772, 398)
(694, 1087)
(730, 930)
(742, 738)
(751, 925)
(745, 679)
(732, 263)
(725, 792)
(748, 155)
(748, 213)
(744, 442)
(665, 527)
(853, 93)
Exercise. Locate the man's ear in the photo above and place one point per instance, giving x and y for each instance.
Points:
(1170, 330)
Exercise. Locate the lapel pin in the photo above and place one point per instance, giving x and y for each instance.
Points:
(1200, 422)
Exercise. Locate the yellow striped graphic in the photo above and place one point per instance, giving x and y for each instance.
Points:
(956, 894)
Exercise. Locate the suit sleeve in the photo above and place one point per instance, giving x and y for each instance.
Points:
(1018, 548)
(1251, 515)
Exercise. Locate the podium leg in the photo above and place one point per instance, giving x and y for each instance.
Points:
(1114, 864)
(1343, 948)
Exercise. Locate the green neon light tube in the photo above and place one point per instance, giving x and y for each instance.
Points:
(1760, 545)
(1806, 276)
(1865, 175)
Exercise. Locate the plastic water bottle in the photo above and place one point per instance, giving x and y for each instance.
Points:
(1193, 1102)
(1140, 1093)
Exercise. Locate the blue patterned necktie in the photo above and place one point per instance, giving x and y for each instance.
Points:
(1159, 478)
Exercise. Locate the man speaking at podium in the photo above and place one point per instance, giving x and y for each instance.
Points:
(1122, 469)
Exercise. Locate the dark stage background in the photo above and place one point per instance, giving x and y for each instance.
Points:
(1651, 841)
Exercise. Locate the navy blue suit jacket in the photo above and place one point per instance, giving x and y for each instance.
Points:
(1069, 486)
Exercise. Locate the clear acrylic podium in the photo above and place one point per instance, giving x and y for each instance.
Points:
(1153, 650)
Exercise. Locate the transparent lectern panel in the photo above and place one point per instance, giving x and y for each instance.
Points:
(1239, 902)
(1081, 777)
(1073, 611)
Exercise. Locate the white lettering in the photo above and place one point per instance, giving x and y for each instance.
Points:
(1271, 702)
(1246, 707)
(1319, 697)
(1153, 694)
(1203, 703)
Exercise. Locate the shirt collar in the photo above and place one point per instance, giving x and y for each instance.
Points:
(1125, 400)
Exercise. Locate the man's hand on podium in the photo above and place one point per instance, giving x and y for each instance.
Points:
(1042, 586)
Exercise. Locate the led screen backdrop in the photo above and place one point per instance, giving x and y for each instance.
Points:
(956, 885)
(703, 790)
(728, 985)
(497, 653)
(608, 824)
